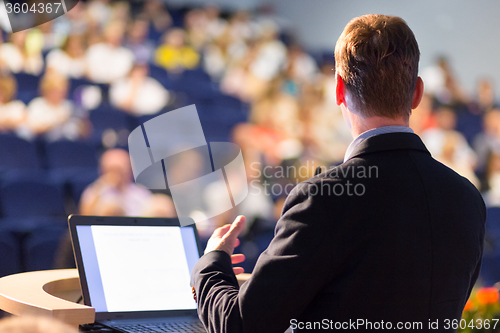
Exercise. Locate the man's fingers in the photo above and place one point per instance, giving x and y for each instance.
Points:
(237, 227)
(221, 231)
(236, 242)
(238, 270)
(237, 258)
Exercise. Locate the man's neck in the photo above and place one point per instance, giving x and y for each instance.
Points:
(360, 125)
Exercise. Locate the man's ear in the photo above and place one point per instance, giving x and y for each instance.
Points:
(340, 90)
(419, 92)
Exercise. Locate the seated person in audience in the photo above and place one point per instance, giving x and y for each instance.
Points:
(195, 22)
(215, 25)
(158, 17)
(300, 66)
(26, 324)
(174, 55)
(70, 59)
(109, 61)
(23, 52)
(137, 42)
(487, 140)
(138, 93)
(222, 53)
(159, 205)
(422, 117)
(99, 12)
(485, 96)
(492, 194)
(114, 192)
(12, 112)
(274, 129)
(52, 114)
(449, 146)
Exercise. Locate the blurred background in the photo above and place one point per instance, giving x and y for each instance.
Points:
(261, 74)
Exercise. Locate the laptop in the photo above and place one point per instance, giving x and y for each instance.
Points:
(136, 271)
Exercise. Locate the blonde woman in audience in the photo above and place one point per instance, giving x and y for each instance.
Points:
(12, 112)
(109, 61)
(23, 52)
(139, 94)
(52, 114)
(69, 60)
(27, 324)
(174, 55)
(114, 192)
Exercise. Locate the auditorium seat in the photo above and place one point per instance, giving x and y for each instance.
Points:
(17, 153)
(31, 195)
(106, 118)
(41, 245)
(490, 269)
(70, 154)
(9, 252)
(69, 159)
(28, 86)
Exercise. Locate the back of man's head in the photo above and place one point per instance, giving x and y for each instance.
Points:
(377, 58)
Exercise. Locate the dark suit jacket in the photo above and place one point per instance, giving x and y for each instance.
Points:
(406, 248)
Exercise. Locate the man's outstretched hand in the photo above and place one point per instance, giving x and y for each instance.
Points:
(226, 239)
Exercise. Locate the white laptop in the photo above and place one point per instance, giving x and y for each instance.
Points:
(135, 272)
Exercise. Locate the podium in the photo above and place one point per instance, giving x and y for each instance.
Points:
(51, 293)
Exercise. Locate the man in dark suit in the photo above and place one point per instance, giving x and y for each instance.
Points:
(390, 239)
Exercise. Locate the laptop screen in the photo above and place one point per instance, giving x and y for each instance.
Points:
(132, 268)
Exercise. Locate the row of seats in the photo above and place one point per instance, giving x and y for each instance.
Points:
(490, 269)
(30, 250)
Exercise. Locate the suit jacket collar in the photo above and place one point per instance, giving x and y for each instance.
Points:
(389, 141)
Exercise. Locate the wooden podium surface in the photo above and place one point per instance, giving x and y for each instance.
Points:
(50, 293)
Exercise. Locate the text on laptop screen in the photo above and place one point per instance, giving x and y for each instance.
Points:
(138, 268)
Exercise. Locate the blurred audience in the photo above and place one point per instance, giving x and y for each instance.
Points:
(293, 120)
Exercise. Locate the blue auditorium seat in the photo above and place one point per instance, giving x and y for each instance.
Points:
(17, 153)
(41, 246)
(71, 154)
(10, 258)
(490, 269)
(71, 161)
(31, 196)
(80, 183)
(28, 86)
(106, 118)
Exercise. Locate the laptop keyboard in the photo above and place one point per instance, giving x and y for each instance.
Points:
(179, 327)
